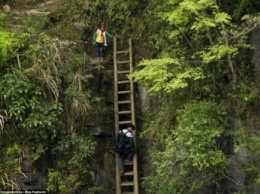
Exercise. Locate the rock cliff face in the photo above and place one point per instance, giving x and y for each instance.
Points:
(77, 34)
(256, 57)
(72, 34)
(34, 175)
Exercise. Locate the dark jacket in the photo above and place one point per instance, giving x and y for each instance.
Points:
(129, 142)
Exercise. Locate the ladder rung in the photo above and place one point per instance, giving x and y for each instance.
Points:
(119, 52)
(122, 123)
(122, 62)
(122, 72)
(124, 92)
(124, 102)
(128, 163)
(125, 112)
(124, 82)
(127, 183)
(129, 173)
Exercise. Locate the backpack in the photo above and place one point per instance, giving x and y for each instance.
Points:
(120, 141)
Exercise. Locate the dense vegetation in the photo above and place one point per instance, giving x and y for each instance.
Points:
(197, 70)
(202, 79)
(45, 101)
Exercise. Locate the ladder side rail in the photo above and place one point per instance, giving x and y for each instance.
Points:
(135, 167)
(116, 87)
(131, 81)
(118, 179)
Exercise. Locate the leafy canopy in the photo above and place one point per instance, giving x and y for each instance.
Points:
(199, 35)
(6, 45)
(191, 151)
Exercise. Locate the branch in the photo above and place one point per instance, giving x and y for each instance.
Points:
(186, 38)
(2, 121)
(246, 32)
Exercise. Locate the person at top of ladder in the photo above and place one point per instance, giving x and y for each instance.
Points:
(129, 148)
(100, 40)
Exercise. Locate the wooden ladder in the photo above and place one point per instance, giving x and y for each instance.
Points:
(124, 109)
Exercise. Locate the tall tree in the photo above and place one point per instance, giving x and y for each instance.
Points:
(202, 54)
(204, 43)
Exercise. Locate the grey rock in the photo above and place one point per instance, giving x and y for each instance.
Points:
(7, 9)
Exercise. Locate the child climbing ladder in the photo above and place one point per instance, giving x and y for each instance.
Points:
(100, 40)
